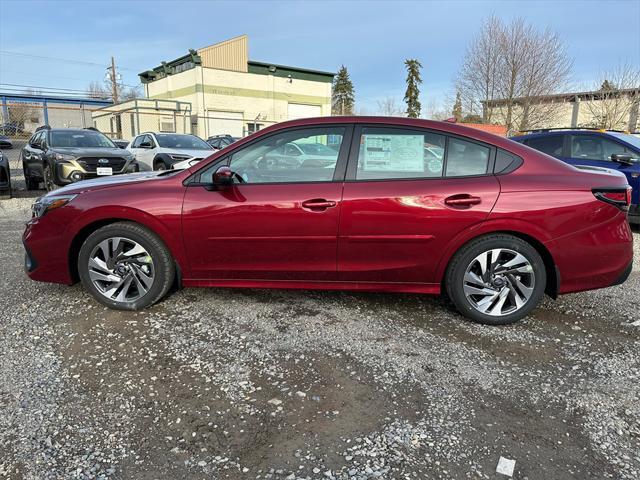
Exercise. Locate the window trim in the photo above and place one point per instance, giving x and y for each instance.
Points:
(355, 150)
(338, 173)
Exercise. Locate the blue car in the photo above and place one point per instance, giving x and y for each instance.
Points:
(598, 148)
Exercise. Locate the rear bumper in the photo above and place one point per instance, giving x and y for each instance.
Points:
(597, 257)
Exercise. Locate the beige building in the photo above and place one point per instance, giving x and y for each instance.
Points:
(127, 119)
(614, 109)
(230, 94)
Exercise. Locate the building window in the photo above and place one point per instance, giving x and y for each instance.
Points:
(254, 127)
(167, 124)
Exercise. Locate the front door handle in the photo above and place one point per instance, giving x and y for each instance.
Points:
(318, 204)
(462, 200)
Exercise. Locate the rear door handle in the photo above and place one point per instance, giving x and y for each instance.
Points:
(318, 204)
(462, 200)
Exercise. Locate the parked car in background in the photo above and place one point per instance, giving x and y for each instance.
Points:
(218, 142)
(5, 142)
(5, 176)
(496, 226)
(60, 156)
(160, 151)
(120, 143)
(618, 151)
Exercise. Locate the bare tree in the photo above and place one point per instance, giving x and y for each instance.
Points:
(508, 68)
(389, 107)
(478, 78)
(98, 90)
(615, 101)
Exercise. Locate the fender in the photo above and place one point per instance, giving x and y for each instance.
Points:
(171, 235)
(491, 225)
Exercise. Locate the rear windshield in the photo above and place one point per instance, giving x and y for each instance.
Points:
(83, 139)
(190, 142)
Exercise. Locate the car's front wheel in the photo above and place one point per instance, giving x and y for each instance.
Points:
(31, 183)
(125, 266)
(49, 177)
(496, 280)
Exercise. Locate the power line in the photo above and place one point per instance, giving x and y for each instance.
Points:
(79, 62)
(21, 91)
(43, 88)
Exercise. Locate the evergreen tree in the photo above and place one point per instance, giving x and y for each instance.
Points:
(412, 95)
(457, 108)
(343, 96)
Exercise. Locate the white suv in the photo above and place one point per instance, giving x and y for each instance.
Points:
(161, 151)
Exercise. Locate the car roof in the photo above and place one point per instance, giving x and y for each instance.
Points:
(549, 133)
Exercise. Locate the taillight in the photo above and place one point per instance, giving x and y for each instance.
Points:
(620, 197)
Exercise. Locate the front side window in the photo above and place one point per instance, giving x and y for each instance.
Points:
(388, 153)
(551, 145)
(283, 158)
(80, 139)
(136, 143)
(466, 158)
(591, 147)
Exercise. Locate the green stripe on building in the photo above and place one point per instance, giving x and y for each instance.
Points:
(243, 92)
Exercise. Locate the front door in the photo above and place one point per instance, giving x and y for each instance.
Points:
(408, 193)
(278, 221)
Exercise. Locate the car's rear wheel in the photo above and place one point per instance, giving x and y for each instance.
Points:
(496, 280)
(125, 266)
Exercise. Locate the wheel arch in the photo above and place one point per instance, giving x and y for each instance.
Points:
(164, 157)
(552, 288)
(83, 232)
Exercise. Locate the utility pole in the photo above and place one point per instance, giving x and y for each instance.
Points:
(114, 81)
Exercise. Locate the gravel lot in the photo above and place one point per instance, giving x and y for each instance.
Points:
(247, 384)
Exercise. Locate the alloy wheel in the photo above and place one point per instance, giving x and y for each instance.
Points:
(121, 269)
(499, 282)
(49, 184)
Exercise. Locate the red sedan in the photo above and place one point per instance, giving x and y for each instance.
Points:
(382, 204)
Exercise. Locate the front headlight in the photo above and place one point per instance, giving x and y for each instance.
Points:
(63, 157)
(177, 156)
(47, 203)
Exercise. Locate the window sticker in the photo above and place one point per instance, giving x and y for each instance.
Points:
(400, 153)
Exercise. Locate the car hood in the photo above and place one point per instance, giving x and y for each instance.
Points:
(191, 153)
(90, 152)
(106, 181)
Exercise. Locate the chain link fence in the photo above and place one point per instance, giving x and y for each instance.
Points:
(20, 119)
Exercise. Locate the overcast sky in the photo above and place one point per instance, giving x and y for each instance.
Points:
(372, 38)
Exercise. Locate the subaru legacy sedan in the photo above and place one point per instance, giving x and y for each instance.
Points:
(405, 205)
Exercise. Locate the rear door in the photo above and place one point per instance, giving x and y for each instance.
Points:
(408, 193)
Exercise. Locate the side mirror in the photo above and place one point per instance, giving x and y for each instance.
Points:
(145, 145)
(623, 158)
(223, 176)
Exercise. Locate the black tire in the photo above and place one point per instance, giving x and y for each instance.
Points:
(454, 278)
(164, 267)
(160, 165)
(49, 177)
(31, 183)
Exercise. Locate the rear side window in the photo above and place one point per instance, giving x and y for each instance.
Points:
(506, 162)
(466, 158)
(551, 145)
(389, 153)
(591, 147)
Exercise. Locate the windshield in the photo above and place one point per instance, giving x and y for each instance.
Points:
(630, 139)
(316, 149)
(82, 139)
(190, 142)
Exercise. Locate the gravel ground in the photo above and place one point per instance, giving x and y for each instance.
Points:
(245, 384)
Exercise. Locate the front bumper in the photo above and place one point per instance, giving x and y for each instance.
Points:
(47, 249)
(71, 171)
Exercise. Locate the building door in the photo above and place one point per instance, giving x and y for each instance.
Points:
(299, 110)
(224, 123)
